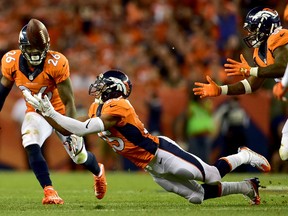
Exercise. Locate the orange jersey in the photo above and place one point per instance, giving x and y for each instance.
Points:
(129, 137)
(277, 39)
(44, 78)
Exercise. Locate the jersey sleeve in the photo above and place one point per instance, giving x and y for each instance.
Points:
(8, 64)
(277, 39)
(59, 66)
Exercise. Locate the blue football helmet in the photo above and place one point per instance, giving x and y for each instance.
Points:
(260, 22)
(111, 84)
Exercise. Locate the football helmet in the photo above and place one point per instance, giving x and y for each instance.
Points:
(34, 42)
(111, 84)
(260, 23)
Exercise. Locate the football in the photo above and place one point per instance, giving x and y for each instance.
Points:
(37, 34)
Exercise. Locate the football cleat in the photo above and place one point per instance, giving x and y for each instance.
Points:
(256, 160)
(253, 195)
(100, 184)
(51, 196)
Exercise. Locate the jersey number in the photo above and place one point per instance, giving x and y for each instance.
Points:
(120, 143)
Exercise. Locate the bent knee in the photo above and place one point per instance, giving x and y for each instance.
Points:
(195, 200)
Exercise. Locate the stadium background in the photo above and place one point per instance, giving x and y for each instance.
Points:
(163, 45)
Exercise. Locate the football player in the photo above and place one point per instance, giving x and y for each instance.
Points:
(270, 43)
(37, 69)
(114, 119)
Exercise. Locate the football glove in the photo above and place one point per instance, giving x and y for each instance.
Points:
(279, 91)
(207, 90)
(45, 107)
(30, 99)
(42, 105)
(236, 68)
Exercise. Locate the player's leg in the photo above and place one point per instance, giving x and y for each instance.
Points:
(248, 187)
(244, 156)
(35, 130)
(196, 193)
(190, 190)
(75, 147)
(283, 150)
(181, 163)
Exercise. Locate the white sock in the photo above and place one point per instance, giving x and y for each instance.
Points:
(242, 187)
(238, 159)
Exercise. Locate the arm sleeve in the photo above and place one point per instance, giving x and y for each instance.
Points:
(4, 91)
(284, 80)
(92, 125)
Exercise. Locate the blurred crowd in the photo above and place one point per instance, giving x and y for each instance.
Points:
(156, 42)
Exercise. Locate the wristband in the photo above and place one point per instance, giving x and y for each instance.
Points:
(247, 86)
(254, 71)
(224, 89)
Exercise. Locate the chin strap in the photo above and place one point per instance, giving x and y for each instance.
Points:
(4, 91)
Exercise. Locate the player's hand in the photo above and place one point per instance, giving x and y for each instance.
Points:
(279, 91)
(207, 90)
(45, 106)
(236, 68)
(31, 100)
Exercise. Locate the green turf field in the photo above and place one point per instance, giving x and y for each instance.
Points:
(132, 194)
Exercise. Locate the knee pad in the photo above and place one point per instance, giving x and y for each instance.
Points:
(75, 147)
(283, 150)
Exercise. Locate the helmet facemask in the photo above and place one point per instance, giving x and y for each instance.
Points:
(32, 55)
(255, 37)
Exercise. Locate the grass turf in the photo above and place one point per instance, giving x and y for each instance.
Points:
(132, 194)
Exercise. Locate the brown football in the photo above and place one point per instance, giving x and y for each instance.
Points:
(37, 34)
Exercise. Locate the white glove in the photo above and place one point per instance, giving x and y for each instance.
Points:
(31, 100)
(42, 105)
(45, 107)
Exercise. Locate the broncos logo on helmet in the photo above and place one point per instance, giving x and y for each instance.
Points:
(260, 23)
(111, 84)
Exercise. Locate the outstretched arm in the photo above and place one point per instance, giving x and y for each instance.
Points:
(67, 125)
(63, 124)
(275, 70)
(211, 89)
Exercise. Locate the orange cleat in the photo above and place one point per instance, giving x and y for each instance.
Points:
(100, 184)
(51, 196)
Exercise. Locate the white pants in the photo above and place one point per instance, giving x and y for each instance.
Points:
(178, 171)
(35, 130)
